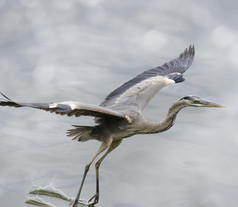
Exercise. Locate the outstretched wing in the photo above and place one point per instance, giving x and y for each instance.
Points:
(69, 108)
(136, 93)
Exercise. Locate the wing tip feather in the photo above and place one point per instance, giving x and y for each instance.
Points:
(188, 52)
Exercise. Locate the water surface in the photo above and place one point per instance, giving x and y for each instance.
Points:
(81, 50)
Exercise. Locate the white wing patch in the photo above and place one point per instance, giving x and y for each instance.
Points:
(53, 105)
(168, 81)
(71, 104)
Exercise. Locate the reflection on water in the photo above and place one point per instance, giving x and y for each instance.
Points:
(82, 50)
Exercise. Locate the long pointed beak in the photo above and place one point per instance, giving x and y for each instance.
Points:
(211, 104)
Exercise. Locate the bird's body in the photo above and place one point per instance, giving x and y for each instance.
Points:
(121, 128)
(120, 115)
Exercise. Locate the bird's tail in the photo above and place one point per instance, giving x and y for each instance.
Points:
(80, 133)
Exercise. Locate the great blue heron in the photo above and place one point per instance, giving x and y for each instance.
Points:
(120, 115)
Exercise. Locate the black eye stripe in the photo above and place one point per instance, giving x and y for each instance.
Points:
(186, 98)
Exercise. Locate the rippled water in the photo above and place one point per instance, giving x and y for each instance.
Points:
(81, 50)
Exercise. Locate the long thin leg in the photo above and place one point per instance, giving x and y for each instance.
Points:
(113, 145)
(103, 146)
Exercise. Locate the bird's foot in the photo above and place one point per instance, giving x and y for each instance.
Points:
(94, 199)
(88, 203)
(74, 203)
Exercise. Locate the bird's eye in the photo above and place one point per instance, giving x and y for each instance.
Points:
(196, 101)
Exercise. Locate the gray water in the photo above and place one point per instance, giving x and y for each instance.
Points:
(81, 50)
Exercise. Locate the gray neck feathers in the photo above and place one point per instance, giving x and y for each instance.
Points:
(156, 127)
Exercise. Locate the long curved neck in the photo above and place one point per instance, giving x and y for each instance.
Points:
(156, 127)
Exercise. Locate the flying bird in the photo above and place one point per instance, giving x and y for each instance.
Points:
(120, 116)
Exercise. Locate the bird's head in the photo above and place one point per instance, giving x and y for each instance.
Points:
(198, 102)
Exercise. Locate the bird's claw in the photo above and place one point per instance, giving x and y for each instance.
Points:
(89, 203)
(74, 203)
(95, 199)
